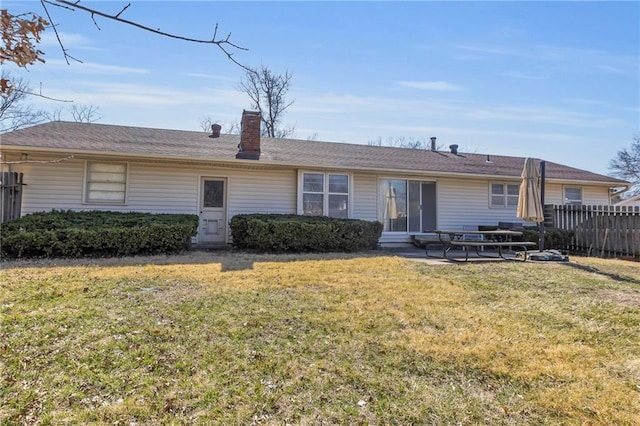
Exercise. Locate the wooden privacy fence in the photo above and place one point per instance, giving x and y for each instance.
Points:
(10, 196)
(599, 230)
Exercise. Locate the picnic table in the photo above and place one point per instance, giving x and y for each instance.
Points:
(498, 239)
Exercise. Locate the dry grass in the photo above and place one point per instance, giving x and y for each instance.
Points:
(244, 339)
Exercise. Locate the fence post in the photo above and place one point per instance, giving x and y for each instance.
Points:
(10, 196)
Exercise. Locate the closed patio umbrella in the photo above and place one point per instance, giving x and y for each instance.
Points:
(529, 200)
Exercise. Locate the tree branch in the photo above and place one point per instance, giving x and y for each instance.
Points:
(223, 44)
(40, 95)
(64, 50)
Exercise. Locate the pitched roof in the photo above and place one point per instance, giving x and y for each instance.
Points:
(178, 144)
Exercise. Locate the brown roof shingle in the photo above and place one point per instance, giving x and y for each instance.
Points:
(178, 144)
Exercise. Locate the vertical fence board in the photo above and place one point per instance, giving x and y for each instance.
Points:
(602, 230)
(10, 196)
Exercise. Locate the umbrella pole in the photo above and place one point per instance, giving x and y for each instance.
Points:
(543, 165)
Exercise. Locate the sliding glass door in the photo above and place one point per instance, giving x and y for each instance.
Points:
(407, 205)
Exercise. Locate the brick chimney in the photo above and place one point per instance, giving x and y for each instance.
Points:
(249, 147)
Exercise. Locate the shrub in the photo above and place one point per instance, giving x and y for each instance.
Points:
(554, 238)
(96, 233)
(294, 233)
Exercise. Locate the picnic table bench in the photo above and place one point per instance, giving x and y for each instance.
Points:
(498, 238)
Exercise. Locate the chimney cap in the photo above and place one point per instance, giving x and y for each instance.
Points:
(454, 148)
(215, 131)
(249, 112)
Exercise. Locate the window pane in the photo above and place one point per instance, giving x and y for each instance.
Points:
(106, 196)
(313, 182)
(213, 194)
(393, 204)
(106, 177)
(512, 201)
(107, 167)
(339, 206)
(513, 190)
(339, 184)
(312, 204)
(497, 201)
(497, 189)
(415, 209)
(106, 186)
(573, 196)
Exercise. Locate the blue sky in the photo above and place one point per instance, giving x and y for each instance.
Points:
(553, 80)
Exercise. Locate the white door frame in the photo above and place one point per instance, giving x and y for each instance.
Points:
(212, 226)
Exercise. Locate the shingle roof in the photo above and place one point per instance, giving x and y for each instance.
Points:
(178, 144)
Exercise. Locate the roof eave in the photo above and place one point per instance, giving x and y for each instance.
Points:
(269, 163)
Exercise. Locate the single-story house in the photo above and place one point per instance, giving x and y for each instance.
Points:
(83, 166)
(630, 202)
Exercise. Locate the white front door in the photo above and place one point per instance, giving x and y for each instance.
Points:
(213, 216)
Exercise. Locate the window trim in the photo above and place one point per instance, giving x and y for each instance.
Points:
(564, 195)
(325, 190)
(85, 185)
(505, 204)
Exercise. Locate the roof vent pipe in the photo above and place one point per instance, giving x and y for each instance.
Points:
(215, 131)
(454, 149)
(433, 143)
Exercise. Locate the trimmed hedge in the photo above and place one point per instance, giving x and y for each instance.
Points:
(96, 233)
(285, 233)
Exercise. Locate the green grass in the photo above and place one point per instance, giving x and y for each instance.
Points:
(232, 338)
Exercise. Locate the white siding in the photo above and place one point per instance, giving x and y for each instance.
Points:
(162, 189)
(466, 202)
(595, 195)
(258, 191)
(159, 189)
(591, 195)
(51, 186)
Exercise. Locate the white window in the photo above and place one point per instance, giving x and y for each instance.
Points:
(325, 194)
(504, 195)
(573, 196)
(106, 183)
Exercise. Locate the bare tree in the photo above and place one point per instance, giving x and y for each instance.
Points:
(626, 164)
(267, 92)
(55, 115)
(402, 142)
(80, 113)
(85, 113)
(15, 111)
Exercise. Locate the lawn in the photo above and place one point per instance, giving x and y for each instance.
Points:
(228, 338)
